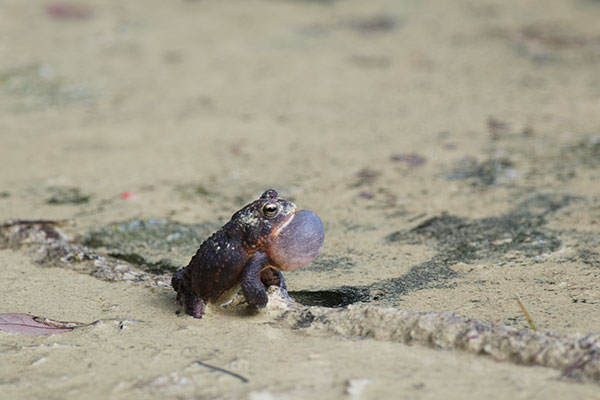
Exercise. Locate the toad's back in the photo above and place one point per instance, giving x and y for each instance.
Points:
(216, 267)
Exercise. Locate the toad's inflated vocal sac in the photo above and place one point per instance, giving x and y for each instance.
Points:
(262, 239)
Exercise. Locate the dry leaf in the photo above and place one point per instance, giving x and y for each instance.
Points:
(30, 325)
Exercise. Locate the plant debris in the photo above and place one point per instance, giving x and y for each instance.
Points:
(29, 325)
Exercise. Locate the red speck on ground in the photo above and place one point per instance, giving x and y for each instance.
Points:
(127, 195)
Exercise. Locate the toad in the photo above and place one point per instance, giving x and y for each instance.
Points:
(260, 241)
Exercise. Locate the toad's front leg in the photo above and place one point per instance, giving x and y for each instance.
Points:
(271, 276)
(252, 286)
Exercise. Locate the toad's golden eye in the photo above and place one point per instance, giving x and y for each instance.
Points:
(270, 210)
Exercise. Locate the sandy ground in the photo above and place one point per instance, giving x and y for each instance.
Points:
(452, 150)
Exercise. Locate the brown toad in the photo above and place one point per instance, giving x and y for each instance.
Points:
(262, 239)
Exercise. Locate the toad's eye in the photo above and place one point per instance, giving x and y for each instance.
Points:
(270, 210)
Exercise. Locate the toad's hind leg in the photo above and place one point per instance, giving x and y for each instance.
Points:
(194, 305)
(252, 286)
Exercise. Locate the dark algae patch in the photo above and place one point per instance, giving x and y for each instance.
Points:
(465, 240)
(462, 240)
(66, 195)
(376, 24)
(157, 246)
(329, 263)
(485, 173)
(589, 257)
(587, 152)
(39, 86)
(162, 266)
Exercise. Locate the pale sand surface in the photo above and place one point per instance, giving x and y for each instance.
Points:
(196, 107)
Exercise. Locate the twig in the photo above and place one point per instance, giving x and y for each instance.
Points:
(241, 378)
(527, 316)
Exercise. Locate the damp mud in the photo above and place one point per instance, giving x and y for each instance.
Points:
(451, 149)
(157, 246)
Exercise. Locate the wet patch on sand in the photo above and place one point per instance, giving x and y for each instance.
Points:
(39, 86)
(329, 263)
(586, 152)
(550, 42)
(156, 246)
(59, 195)
(484, 173)
(461, 240)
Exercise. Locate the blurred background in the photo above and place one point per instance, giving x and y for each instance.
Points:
(233, 97)
(451, 148)
(378, 115)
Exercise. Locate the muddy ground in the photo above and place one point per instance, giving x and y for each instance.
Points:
(452, 150)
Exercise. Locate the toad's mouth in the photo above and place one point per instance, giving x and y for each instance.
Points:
(285, 223)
